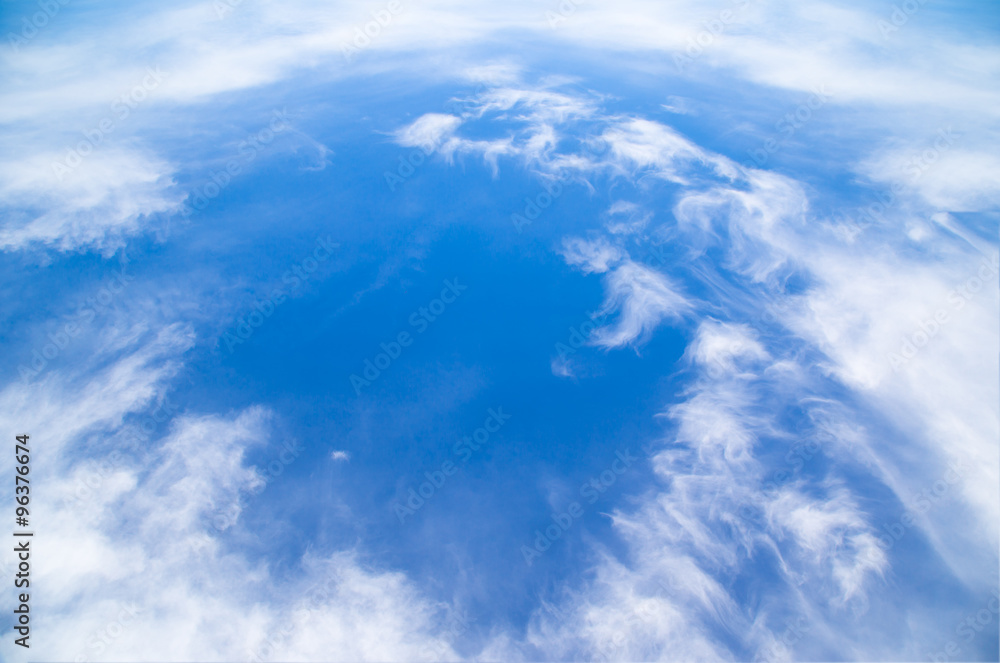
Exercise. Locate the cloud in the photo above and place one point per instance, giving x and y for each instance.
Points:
(841, 309)
(96, 205)
(641, 143)
(956, 179)
(750, 222)
(157, 579)
(58, 76)
(721, 345)
(533, 111)
(428, 131)
(642, 298)
(538, 106)
(630, 615)
(714, 516)
(830, 531)
(591, 256)
(831, 330)
(633, 220)
(638, 295)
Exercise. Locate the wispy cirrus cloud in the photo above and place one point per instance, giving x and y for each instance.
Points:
(147, 560)
(709, 529)
(715, 464)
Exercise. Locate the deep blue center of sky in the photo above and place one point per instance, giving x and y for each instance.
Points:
(491, 348)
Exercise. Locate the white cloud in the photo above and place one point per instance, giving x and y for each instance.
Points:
(627, 218)
(640, 143)
(632, 615)
(428, 131)
(751, 222)
(832, 532)
(142, 572)
(721, 345)
(537, 106)
(592, 257)
(59, 77)
(865, 314)
(642, 298)
(856, 303)
(495, 74)
(98, 204)
(956, 179)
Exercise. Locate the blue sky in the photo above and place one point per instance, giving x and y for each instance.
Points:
(730, 395)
